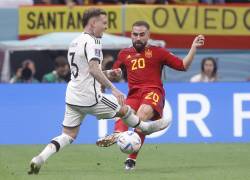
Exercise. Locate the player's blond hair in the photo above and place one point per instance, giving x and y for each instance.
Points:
(92, 12)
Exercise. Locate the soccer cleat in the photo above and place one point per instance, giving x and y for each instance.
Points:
(157, 125)
(108, 140)
(35, 165)
(129, 164)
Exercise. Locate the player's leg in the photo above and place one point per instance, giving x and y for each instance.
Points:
(71, 126)
(119, 127)
(131, 160)
(154, 98)
(133, 120)
(145, 112)
(152, 104)
(128, 117)
(111, 139)
(134, 102)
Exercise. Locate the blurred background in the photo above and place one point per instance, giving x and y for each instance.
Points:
(208, 103)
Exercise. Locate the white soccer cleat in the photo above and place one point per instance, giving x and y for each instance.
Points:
(108, 140)
(157, 125)
(35, 165)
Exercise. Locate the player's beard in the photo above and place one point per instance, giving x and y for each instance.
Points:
(139, 46)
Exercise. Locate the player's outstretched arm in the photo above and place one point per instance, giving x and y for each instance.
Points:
(96, 72)
(198, 42)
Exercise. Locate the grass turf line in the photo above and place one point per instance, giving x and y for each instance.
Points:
(156, 161)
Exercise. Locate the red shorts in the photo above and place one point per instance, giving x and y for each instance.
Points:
(155, 97)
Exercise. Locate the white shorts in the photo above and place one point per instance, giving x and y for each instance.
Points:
(106, 108)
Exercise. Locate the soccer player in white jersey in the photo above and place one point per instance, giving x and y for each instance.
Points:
(84, 96)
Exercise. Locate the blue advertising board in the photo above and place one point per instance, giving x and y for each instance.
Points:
(200, 113)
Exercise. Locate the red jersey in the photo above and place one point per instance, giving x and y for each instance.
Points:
(144, 69)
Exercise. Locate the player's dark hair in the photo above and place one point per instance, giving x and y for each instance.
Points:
(142, 23)
(213, 60)
(93, 12)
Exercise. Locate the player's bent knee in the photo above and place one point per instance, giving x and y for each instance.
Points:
(123, 111)
(145, 112)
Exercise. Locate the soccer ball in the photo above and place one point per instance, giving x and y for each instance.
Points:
(129, 142)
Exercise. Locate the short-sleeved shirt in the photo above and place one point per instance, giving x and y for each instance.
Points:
(83, 89)
(144, 69)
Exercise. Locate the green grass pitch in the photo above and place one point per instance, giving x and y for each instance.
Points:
(161, 161)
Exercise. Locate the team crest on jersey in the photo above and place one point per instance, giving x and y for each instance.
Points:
(129, 56)
(148, 53)
(98, 52)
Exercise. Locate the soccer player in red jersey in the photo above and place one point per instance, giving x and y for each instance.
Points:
(146, 95)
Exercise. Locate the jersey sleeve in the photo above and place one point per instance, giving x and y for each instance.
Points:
(119, 61)
(93, 49)
(172, 60)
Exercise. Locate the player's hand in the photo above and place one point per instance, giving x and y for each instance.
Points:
(119, 96)
(116, 73)
(198, 41)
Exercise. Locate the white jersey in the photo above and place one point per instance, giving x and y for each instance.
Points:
(83, 89)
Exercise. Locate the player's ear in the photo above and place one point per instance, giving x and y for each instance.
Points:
(148, 33)
(92, 22)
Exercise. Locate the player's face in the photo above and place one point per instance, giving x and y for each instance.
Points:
(100, 25)
(208, 67)
(140, 36)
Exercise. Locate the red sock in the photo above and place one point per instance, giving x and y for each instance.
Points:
(134, 155)
(120, 126)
